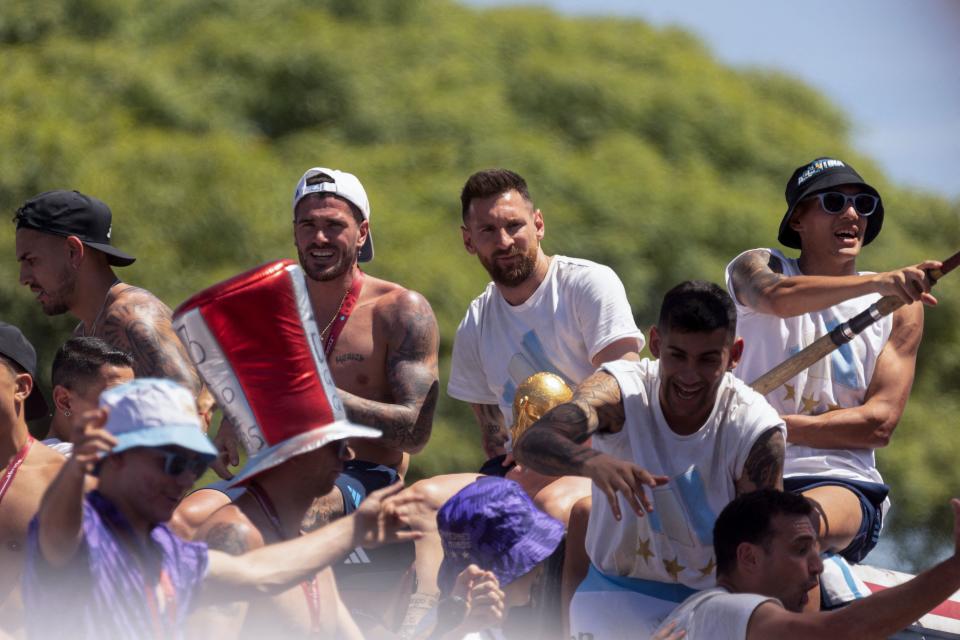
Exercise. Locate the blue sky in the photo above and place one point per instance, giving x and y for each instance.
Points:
(892, 65)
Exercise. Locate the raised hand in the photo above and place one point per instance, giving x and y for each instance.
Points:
(485, 600)
(91, 441)
(614, 476)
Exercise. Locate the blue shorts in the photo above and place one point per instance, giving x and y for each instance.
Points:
(871, 495)
(359, 478)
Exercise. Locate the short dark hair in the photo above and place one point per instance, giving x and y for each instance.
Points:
(78, 361)
(491, 182)
(697, 306)
(748, 519)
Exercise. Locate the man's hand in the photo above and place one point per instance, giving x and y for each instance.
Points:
(384, 517)
(613, 476)
(228, 452)
(485, 600)
(909, 283)
(669, 632)
(91, 441)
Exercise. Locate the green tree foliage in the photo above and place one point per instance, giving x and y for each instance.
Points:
(193, 120)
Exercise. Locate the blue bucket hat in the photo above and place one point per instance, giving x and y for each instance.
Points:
(153, 412)
(494, 524)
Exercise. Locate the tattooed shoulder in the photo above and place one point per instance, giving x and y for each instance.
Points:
(228, 537)
(754, 272)
(763, 468)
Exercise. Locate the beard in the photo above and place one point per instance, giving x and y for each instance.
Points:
(515, 275)
(343, 264)
(57, 300)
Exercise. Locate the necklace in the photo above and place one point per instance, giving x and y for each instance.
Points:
(103, 307)
(335, 314)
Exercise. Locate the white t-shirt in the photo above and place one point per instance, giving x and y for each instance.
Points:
(579, 309)
(839, 381)
(716, 614)
(674, 543)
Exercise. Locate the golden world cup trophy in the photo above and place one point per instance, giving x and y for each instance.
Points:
(535, 396)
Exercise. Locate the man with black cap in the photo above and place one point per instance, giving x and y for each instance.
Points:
(26, 467)
(845, 406)
(63, 247)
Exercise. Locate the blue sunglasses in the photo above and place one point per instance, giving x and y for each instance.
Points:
(175, 463)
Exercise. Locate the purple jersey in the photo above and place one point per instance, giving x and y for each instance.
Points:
(114, 586)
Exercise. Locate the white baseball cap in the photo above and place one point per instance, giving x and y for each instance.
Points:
(341, 184)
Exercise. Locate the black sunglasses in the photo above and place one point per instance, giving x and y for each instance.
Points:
(175, 463)
(834, 202)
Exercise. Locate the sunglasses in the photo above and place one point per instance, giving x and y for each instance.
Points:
(175, 463)
(834, 202)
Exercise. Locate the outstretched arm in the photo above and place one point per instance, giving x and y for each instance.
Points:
(141, 325)
(877, 616)
(763, 468)
(870, 425)
(554, 445)
(269, 570)
(760, 284)
(412, 374)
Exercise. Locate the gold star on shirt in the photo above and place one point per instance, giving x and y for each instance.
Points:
(673, 568)
(791, 392)
(643, 550)
(809, 404)
(707, 570)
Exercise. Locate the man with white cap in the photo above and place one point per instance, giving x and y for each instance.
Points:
(107, 563)
(26, 467)
(67, 259)
(380, 340)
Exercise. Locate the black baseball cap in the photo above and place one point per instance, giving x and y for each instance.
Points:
(70, 213)
(820, 175)
(14, 346)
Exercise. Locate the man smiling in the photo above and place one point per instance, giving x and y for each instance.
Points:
(844, 407)
(682, 426)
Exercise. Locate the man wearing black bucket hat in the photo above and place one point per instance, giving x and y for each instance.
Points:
(844, 407)
(66, 258)
(26, 467)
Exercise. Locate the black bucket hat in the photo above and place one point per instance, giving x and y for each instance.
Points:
(70, 213)
(820, 175)
(14, 346)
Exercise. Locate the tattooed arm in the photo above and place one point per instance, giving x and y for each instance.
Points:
(554, 445)
(759, 283)
(412, 375)
(140, 324)
(493, 431)
(763, 468)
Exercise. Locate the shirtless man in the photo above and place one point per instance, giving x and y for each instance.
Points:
(63, 247)
(82, 369)
(26, 468)
(271, 510)
(844, 407)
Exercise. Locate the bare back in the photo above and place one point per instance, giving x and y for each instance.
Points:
(20, 504)
(136, 321)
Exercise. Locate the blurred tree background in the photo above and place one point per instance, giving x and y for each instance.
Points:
(193, 121)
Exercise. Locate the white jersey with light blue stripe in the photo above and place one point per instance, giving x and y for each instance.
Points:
(674, 543)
